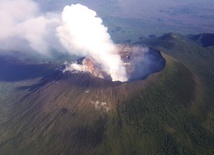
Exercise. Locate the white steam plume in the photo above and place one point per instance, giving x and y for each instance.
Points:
(25, 28)
(75, 68)
(83, 33)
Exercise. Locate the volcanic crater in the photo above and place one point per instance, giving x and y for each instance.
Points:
(139, 63)
(93, 90)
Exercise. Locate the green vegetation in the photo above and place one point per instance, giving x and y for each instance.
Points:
(171, 112)
(198, 59)
(157, 119)
(161, 120)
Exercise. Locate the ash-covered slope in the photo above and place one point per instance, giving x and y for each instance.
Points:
(67, 113)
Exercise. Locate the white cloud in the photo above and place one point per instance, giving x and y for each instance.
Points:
(23, 26)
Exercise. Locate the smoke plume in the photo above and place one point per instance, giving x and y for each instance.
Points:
(83, 33)
(77, 31)
(25, 28)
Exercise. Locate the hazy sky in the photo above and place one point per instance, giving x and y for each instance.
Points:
(34, 24)
(133, 6)
(196, 13)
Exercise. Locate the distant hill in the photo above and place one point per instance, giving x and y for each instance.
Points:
(204, 39)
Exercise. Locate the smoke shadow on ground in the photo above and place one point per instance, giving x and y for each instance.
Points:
(13, 70)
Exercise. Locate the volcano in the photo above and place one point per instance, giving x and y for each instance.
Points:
(158, 111)
(81, 103)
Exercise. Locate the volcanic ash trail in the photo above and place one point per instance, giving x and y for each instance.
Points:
(82, 33)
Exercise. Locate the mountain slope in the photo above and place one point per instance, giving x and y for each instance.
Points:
(80, 114)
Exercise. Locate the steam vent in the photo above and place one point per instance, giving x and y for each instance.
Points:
(139, 62)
